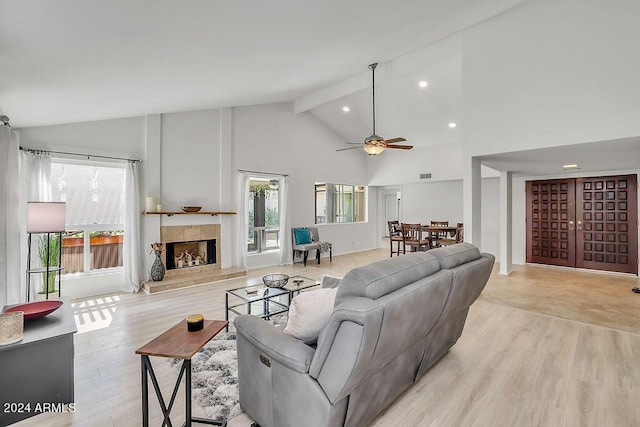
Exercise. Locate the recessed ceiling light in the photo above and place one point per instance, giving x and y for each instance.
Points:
(423, 83)
(571, 166)
(346, 109)
(452, 125)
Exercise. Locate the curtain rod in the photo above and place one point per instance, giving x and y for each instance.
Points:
(88, 156)
(263, 173)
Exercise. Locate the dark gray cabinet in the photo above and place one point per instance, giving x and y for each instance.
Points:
(36, 374)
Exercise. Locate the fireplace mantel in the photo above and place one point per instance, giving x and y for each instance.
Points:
(172, 213)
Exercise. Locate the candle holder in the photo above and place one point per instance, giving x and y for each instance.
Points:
(195, 322)
(11, 327)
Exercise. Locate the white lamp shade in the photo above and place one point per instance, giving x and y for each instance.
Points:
(46, 217)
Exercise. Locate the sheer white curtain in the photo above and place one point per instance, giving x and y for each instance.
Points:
(243, 219)
(132, 259)
(285, 223)
(10, 255)
(38, 170)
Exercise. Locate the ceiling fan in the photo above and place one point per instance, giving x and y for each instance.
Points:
(375, 144)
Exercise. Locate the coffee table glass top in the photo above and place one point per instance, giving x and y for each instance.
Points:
(256, 292)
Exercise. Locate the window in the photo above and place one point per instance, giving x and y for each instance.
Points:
(264, 215)
(339, 203)
(95, 197)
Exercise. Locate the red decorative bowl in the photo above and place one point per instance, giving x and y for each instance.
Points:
(35, 310)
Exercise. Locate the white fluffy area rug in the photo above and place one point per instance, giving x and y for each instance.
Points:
(214, 375)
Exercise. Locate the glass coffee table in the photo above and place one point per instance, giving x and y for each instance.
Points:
(263, 301)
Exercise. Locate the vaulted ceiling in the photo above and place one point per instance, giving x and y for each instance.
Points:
(83, 60)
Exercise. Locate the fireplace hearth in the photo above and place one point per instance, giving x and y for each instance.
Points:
(198, 246)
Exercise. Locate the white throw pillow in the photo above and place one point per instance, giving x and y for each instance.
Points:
(309, 312)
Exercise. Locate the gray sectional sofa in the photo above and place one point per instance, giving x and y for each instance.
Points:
(391, 321)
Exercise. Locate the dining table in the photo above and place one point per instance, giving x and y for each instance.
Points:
(451, 229)
(435, 230)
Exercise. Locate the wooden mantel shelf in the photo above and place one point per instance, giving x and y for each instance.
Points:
(170, 213)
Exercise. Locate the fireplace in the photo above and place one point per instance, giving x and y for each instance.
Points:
(191, 242)
(190, 249)
(190, 254)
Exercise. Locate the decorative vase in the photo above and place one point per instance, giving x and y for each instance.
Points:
(157, 269)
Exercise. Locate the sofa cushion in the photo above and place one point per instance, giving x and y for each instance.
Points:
(383, 277)
(302, 236)
(455, 255)
(309, 312)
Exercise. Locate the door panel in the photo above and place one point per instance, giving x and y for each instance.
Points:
(550, 222)
(606, 227)
(584, 223)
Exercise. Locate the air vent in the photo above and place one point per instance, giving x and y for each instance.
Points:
(425, 175)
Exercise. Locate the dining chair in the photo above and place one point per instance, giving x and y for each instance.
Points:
(440, 235)
(412, 236)
(460, 232)
(456, 238)
(395, 235)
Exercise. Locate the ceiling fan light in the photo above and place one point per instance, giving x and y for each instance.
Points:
(373, 149)
(373, 139)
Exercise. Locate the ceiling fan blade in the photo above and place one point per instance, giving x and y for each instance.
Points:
(355, 143)
(392, 140)
(350, 148)
(402, 147)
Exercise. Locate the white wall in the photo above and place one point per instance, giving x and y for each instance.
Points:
(94, 284)
(429, 201)
(490, 215)
(190, 160)
(552, 72)
(432, 201)
(118, 137)
(272, 138)
(443, 162)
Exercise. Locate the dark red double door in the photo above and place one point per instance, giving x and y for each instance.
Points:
(584, 223)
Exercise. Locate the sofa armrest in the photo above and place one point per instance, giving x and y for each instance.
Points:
(330, 281)
(274, 343)
(345, 346)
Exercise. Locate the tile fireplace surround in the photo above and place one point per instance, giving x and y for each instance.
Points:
(194, 275)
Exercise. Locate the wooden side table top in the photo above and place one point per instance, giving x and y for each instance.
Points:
(179, 343)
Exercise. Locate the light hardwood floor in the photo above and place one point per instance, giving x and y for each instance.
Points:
(542, 347)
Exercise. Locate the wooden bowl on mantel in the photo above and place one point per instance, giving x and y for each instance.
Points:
(191, 209)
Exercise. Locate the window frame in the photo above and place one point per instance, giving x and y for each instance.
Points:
(86, 229)
(358, 205)
(261, 233)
